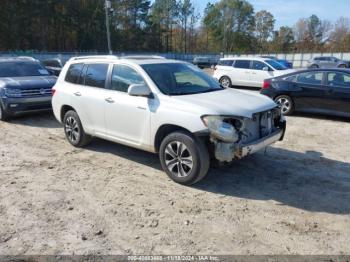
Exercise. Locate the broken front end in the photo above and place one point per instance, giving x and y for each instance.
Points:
(234, 137)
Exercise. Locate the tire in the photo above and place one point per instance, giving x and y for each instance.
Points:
(4, 116)
(341, 66)
(314, 67)
(286, 103)
(74, 130)
(225, 81)
(192, 153)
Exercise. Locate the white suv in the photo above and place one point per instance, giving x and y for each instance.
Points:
(248, 71)
(163, 106)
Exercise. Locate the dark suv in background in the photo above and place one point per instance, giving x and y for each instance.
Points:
(54, 65)
(25, 85)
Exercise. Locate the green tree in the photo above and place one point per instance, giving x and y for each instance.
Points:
(232, 24)
(264, 26)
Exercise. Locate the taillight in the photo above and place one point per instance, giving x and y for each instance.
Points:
(266, 84)
(53, 91)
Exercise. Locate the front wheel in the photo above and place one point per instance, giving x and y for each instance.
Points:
(342, 66)
(3, 114)
(225, 82)
(184, 158)
(74, 130)
(286, 104)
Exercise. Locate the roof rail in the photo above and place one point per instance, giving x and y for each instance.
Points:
(94, 57)
(136, 57)
(26, 58)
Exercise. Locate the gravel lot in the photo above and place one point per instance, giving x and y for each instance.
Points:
(109, 199)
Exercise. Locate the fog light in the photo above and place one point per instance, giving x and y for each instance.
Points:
(13, 105)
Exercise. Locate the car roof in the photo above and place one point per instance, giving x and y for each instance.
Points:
(18, 59)
(257, 58)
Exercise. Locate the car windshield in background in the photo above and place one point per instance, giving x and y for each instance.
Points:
(181, 79)
(276, 65)
(18, 69)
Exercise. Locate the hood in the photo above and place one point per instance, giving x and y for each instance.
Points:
(28, 82)
(225, 102)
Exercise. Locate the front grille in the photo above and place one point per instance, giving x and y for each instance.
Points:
(261, 125)
(36, 92)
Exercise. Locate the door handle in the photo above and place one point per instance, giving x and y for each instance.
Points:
(109, 100)
(77, 94)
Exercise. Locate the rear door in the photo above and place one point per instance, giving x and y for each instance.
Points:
(241, 73)
(92, 97)
(339, 91)
(313, 94)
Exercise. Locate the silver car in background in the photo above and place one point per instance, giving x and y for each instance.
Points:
(327, 62)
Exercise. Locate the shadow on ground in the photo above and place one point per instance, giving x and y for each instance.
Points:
(44, 119)
(306, 181)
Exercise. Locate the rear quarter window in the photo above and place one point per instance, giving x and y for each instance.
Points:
(73, 73)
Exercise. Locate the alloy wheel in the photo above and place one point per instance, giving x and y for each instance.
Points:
(178, 159)
(285, 104)
(225, 82)
(72, 129)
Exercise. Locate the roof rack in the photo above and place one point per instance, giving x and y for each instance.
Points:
(94, 57)
(140, 57)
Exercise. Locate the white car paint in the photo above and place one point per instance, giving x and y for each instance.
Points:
(134, 121)
(247, 77)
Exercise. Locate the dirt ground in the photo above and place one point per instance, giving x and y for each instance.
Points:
(110, 199)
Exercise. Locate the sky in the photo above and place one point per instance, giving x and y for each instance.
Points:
(288, 12)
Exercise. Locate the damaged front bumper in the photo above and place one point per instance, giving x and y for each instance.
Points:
(226, 152)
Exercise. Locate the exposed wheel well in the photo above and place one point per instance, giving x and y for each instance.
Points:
(165, 130)
(64, 110)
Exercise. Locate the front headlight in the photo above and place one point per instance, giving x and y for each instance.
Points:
(9, 92)
(220, 129)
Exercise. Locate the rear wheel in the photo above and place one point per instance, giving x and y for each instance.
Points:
(3, 114)
(74, 130)
(225, 82)
(342, 66)
(184, 158)
(313, 66)
(286, 104)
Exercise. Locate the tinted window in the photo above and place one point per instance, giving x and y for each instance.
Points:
(276, 65)
(339, 79)
(96, 75)
(181, 79)
(242, 64)
(123, 77)
(18, 69)
(312, 78)
(74, 73)
(226, 62)
(257, 65)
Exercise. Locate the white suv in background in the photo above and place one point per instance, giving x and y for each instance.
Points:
(163, 106)
(247, 71)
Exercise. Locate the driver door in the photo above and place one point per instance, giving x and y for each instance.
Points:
(258, 74)
(127, 117)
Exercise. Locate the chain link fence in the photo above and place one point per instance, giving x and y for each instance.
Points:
(299, 60)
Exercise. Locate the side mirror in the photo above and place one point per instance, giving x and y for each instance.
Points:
(139, 90)
(265, 68)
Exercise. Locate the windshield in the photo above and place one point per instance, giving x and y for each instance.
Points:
(181, 79)
(18, 69)
(276, 65)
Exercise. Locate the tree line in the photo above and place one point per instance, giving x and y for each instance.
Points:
(230, 26)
